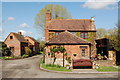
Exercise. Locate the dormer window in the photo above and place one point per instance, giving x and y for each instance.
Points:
(84, 35)
(11, 37)
(74, 33)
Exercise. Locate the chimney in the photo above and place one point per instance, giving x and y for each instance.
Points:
(48, 15)
(20, 33)
(92, 18)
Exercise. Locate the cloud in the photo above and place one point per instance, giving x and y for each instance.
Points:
(100, 4)
(24, 25)
(25, 32)
(10, 18)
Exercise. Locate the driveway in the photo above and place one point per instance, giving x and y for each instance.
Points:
(29, 68)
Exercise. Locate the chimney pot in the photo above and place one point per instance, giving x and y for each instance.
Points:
(93, 18)
(20, 33)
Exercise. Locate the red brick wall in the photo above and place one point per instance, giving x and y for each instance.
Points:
(71, 50)
(13, 43)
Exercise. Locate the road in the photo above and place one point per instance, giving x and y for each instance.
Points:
(29, 68)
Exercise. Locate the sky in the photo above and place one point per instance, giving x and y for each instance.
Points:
(20, 16)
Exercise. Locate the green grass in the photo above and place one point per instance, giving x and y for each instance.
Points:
(107, 69)
(55, 68)
(6, 57)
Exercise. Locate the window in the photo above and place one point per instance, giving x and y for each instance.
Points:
(11, 37)
(56, 33)
(83, 47)
(27, 40)
(51, 35)
(84, 35)
(73, 33)
(83, 52)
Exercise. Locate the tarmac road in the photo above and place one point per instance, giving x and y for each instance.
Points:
(29, 68)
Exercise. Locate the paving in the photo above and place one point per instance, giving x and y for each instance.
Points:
(29, 68)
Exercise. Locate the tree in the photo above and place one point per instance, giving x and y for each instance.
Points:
(101, 32)
(113, 35)
(42, 46)
(4, 50)
(62, 50)
(58, 12)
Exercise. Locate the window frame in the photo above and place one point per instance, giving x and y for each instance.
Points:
(84, 35)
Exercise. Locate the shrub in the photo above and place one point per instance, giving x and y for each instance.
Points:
(28, 51)
(25, 55)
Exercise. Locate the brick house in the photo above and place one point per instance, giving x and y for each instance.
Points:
(77, 36)
(17, 43)
(33, 44)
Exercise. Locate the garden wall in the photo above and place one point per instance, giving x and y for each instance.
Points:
(104, 62)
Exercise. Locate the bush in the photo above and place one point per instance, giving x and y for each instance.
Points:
(28, 51)
(25, 56)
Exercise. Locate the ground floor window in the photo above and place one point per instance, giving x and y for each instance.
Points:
(83, 50)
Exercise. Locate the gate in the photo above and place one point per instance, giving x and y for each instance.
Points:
(82, 64)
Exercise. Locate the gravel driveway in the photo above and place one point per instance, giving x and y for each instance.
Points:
(29, 68)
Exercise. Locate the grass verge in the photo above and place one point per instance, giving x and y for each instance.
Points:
(107, 69)
(55, 68)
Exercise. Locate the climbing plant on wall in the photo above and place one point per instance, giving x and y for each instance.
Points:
(57, 49)
(91, 36)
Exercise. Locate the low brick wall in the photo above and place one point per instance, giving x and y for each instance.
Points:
(58, 61)
(104, 62)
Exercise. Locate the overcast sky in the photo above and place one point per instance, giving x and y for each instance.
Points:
(19, 16)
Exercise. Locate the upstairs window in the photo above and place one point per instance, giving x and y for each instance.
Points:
(11, 37)
(51, 35)
(84, 35)
(56, 33)
(73, 33)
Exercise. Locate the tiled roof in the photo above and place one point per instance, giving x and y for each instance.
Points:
(19, 37)
(32, 38)
(71, 24)
(67, 38)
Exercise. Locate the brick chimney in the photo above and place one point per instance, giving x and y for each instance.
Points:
(48, 15)
(20, 33)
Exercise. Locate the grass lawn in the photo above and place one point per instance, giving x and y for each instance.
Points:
(55, 68)
(107, 69)
(6, 57)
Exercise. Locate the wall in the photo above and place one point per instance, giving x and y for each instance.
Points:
(70, 50)
(13, 43)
